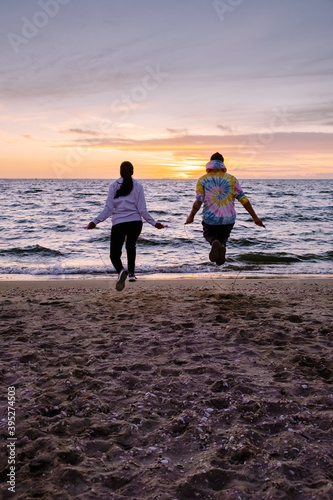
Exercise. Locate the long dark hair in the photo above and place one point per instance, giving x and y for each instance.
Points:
(126, 171)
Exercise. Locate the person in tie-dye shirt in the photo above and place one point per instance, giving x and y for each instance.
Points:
(218, 190)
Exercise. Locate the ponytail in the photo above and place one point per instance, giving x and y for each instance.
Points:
(126, 172)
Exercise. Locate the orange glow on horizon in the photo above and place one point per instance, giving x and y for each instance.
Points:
(40, 159)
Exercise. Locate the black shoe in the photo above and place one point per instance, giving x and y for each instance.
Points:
(221, 257)
(132, 277)
(120, 285)
(214, 253)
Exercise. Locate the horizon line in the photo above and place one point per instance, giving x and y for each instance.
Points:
(165, 178)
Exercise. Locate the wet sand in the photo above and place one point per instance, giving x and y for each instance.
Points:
(172, 389)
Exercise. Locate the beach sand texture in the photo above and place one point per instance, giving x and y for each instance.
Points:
(172, 389)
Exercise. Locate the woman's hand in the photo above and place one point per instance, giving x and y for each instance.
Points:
(158, 225)
(91, 225)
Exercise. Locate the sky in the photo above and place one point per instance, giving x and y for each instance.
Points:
(87, 84)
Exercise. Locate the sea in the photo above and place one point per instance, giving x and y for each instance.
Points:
(42, 231)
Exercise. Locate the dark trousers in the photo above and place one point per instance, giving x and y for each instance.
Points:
(220, 233)
(129, 231)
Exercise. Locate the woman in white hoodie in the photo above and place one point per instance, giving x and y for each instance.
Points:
(127, 206)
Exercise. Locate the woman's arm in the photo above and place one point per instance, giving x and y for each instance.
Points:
(107, 210)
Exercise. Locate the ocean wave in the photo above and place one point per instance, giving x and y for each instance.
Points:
(281, 258)
(102, 270)
(174, 243)
(148, 242)
(31, 250)
(61, 228)
(80, 195)
(328, 255)
(245, 242)
(268, 258)
(54, 270)
(180, 269)
(100, 239)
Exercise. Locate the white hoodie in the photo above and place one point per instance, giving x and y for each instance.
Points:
(125, 208)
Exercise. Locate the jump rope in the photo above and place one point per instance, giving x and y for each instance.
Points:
(232, 287)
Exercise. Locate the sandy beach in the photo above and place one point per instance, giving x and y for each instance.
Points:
(172, 389)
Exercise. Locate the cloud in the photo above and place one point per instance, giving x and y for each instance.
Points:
(224, 79)
(178, 131)
(31, 138)
(228, 130)
(57, 75)
(81, 131)
(315, 113)
(280, 143)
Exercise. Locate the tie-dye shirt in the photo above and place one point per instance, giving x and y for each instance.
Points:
(218, 191)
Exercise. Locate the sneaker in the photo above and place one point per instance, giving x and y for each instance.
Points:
(214, 253)
(132, 277)
(120, 285)
(221, 257)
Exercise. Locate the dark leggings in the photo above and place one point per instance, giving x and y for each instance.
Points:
(129, 231)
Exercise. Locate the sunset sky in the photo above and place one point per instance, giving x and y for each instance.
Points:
(87, 84)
